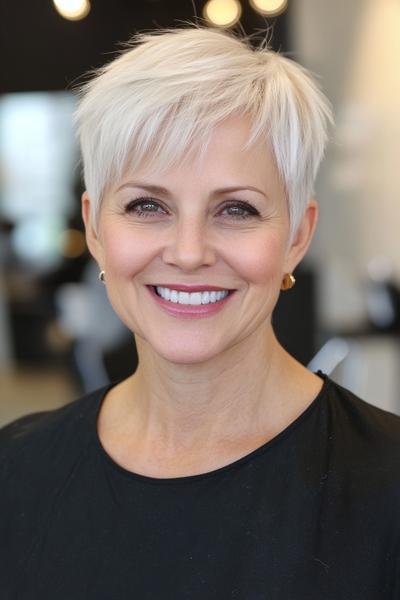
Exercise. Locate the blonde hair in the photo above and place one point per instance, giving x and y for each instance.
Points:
(164, 94)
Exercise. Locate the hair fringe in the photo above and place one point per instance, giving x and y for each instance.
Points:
(184, 81)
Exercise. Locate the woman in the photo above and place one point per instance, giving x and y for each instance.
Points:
(222, 468)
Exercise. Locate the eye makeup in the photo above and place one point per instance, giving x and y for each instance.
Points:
(133, 207)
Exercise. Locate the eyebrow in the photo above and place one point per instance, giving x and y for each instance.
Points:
(157, 189)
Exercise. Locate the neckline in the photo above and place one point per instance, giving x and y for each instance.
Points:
(131, 475)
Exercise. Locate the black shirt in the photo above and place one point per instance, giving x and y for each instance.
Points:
(313, 514)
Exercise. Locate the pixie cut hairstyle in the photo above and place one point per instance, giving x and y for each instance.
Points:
(161, 98)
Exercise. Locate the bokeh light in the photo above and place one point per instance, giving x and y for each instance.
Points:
(72, 243)
(73, 10)
(222, 13)
(35, 240)
(269, 8)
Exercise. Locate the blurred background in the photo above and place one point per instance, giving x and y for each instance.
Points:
(59, 337)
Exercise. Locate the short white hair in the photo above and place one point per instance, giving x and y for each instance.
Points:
(161, 98)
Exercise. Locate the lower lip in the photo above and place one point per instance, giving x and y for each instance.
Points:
(189, 311)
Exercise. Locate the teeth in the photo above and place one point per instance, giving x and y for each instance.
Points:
(194, 298)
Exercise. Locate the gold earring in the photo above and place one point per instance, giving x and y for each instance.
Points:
(288, 281)
(102, 276)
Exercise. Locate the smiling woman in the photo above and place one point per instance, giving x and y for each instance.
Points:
(222, 468)
(220, 219)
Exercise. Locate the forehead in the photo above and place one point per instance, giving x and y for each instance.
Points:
(225, 159)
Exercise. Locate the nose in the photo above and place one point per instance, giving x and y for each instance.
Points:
(189, 246)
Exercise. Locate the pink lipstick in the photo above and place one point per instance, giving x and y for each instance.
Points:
(190, 311)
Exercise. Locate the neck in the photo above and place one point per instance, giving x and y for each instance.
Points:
(239, 394)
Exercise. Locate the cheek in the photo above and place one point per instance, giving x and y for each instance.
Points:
(260, 259)
(127, 252)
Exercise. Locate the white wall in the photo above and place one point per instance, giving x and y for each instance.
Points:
(354, 47)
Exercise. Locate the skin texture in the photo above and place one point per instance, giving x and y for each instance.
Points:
(209, 390)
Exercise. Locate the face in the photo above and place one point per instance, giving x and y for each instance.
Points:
(221, 223)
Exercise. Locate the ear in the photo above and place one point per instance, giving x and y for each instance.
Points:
(92, 239)
(303, 236)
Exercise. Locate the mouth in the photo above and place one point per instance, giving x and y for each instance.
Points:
(195, 296)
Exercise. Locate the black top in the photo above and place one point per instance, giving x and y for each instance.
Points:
(313, 514)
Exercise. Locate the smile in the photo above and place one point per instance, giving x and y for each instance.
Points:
(193, 299)
(190, 305)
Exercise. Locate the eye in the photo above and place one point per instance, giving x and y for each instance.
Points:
(242, 210)
(143, 207)
(147, 206)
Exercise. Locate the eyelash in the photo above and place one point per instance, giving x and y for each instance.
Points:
(253, 212)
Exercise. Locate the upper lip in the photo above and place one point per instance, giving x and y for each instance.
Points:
(192, 288)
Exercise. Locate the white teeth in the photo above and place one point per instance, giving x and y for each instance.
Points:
(183, 298)
(205, 297)
(194, 298)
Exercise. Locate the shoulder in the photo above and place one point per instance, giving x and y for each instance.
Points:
(36, 436)
(364, 441)
(368, 421)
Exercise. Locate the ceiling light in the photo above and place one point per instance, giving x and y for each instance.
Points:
(270, 8)
(222, 13)
(73, 10)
